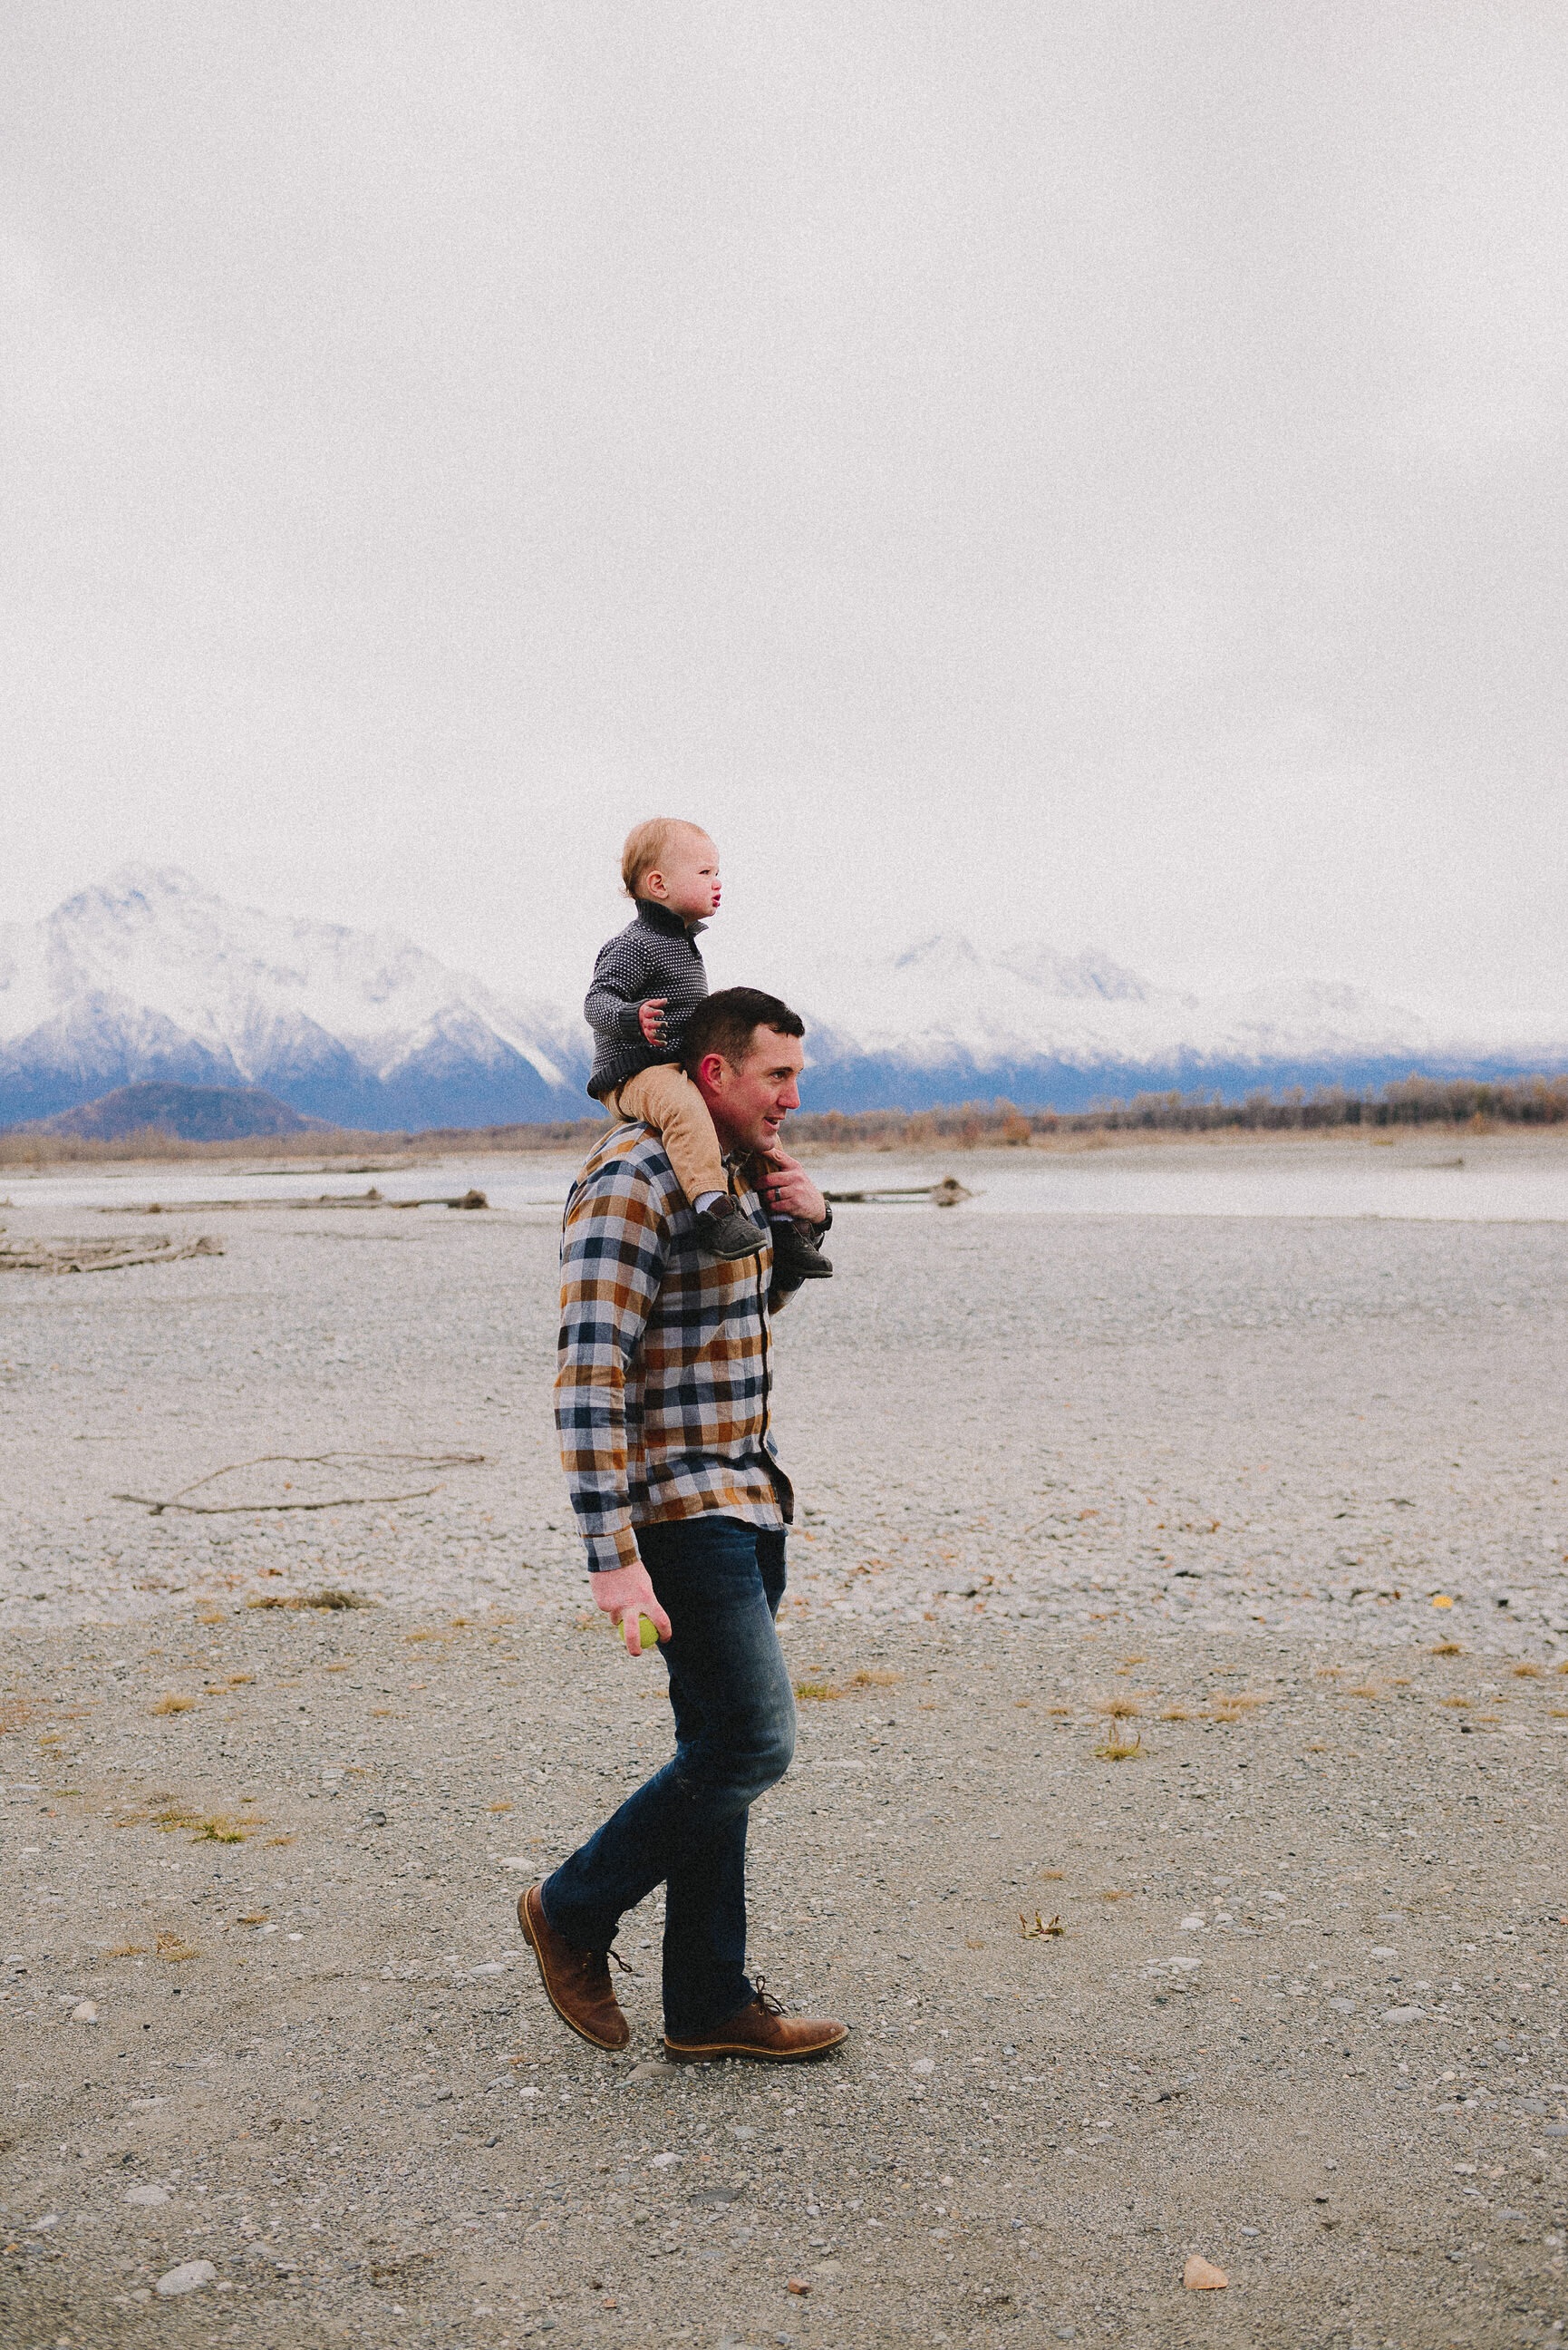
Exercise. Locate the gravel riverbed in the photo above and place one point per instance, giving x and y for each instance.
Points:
(1192, 1486)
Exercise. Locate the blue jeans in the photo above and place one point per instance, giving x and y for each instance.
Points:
(720, 1582)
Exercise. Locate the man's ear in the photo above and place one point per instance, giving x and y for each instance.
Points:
(710, 1072)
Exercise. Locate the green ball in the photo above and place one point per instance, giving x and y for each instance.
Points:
(647, 1633)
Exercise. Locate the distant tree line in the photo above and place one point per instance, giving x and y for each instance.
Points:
(1480, 1105)
(1477, 1105)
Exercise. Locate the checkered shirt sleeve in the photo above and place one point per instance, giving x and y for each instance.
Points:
(662, 1384)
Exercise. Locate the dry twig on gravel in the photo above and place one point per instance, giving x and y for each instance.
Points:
(304, 1460)
(99, 1256)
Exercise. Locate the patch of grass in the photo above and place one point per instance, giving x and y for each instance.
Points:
(1114, 1893)
(598, 1617)
(866, 1679)
(1061, 1712)
(1023, 1704)
(127, 1950)
(239, 1681)
(1456, 1700)
(330, 1599)
(500, 1807)
(382, 1713)
(820, 1689)
(1527, 1672)
(206, 1827)
(1051, 1875)
(174, 1950)
(1116, 1749)
(1446, 1649)
(1231, 1709)
(277, 1840)
(973, 1942)
(1119, 1709)
(1366, 1689)
(209, 1615)
(1176, 1713)
(172, 1703)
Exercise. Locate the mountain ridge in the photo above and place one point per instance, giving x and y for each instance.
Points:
(148, 977)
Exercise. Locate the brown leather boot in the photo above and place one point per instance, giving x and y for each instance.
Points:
(577, 1982)
(761, 2030)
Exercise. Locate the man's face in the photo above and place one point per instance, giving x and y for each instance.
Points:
(749, 1101)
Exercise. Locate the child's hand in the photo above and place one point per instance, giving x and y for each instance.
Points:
(651, 1015)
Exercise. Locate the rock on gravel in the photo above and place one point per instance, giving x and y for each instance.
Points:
(189, 2277)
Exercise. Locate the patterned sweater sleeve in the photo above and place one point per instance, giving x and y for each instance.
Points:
(620, 983)
(612, 1262)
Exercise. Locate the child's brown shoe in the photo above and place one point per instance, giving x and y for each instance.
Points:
(722, 1230)
(797, 1258)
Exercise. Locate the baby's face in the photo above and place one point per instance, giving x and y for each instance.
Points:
(686, 877)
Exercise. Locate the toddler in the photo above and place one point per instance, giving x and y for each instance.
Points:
(646, 980)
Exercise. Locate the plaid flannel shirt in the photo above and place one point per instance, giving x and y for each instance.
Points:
(661, 1393)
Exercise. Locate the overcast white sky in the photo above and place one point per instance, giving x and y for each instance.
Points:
(1092, 472)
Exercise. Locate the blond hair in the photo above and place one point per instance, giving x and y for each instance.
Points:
(646, 845)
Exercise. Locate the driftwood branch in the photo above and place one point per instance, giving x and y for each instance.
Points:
(101, 1256)
(370, 1198)
(945, 1194)
(302, 1460)
(250, 1508)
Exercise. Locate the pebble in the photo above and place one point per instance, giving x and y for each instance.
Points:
(85, 2012)
(187, 2278)
(147, 2196)
(1201, 2276)
(1402, 2015)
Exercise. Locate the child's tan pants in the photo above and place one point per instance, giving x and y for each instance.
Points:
(666, 1097)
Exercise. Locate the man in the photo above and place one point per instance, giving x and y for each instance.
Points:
(661, 1401)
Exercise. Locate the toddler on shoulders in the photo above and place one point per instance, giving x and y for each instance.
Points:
(647, 981)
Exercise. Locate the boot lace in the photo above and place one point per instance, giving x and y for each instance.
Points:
(766, 2000)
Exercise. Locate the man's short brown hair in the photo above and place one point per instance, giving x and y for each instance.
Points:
(727, 1022)
(647, 843)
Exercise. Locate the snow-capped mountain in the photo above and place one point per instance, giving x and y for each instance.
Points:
(149, 976)
(943, 1022)
(943, 1000)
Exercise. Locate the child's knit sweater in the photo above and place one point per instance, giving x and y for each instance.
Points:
(656, 955)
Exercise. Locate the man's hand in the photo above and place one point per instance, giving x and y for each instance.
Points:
(651, 1015)
(625, 1592)
(789, 1189)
